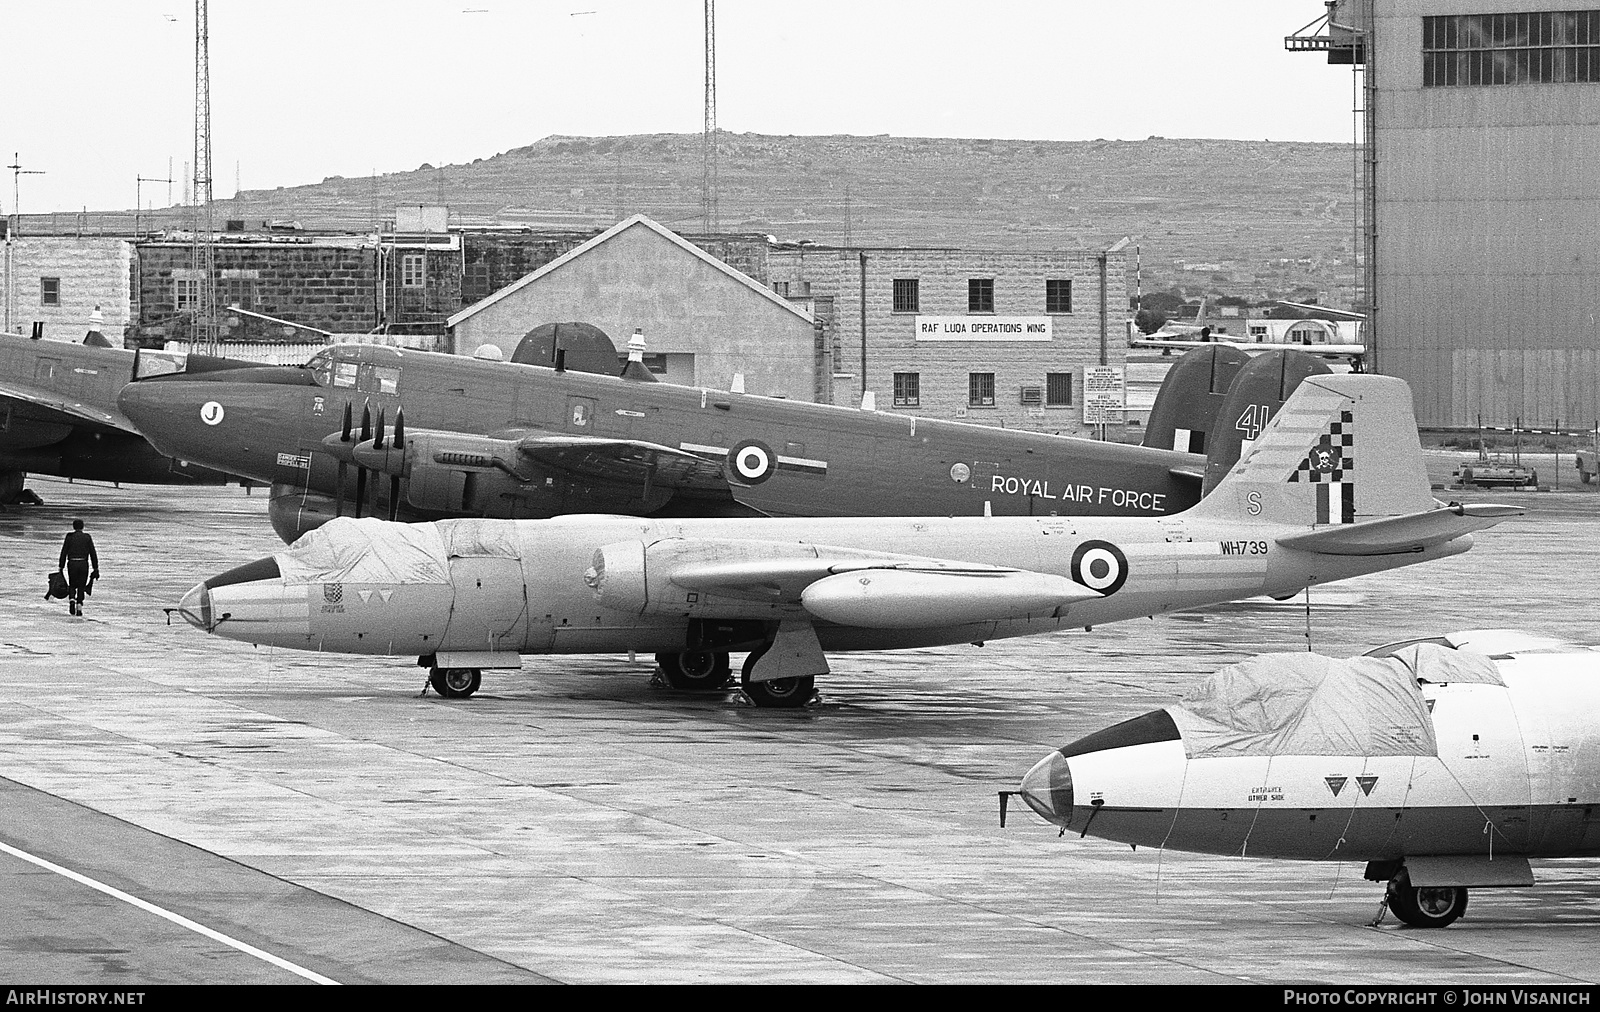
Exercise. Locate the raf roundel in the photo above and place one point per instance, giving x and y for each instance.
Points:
(752, 462)
(1101, 566)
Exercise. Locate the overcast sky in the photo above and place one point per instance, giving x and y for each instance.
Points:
(100, 93)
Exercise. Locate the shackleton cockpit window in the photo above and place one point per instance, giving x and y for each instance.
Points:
(321, 368)
(378, 379)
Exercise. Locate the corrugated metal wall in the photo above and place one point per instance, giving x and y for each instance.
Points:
(1488, 213)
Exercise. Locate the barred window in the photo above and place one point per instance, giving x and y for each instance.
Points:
(1536, 47)
(980, 389)
(980, 295)
(185, 293)
(240, 292)
(1058, 296)
(1058, 390)
(907, 389)
(411, 272)
(906, 296)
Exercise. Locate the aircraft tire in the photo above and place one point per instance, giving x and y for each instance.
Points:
(1425, 907)
(695, 670)
(779, 693)
(455, 683)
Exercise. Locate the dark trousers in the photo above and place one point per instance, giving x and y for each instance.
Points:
(77, 579)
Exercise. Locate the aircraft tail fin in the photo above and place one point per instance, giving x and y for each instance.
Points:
(1185, 410)
(1343, 449)
(1258, 392)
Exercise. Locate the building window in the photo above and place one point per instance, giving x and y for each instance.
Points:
(980, 295)
(1058, 296)
(411, 272)
(239, 293)
(1538, 47)
(185, 293)
(49, 291)
(907, 298)
(1058, 390)
(980, 389)
(907, 389)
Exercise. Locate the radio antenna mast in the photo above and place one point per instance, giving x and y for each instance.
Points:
(708, 171)
(202, 248)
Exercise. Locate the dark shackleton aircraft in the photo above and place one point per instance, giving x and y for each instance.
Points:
(1443, 763)
(464, 595)
(421, 436)
(59, 416)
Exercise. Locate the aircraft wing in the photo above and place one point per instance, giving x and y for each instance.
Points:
(48, 406)
(625, 460)
(1411, 532)
(847, 587)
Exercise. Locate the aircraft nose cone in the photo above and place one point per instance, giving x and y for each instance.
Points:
(1047, 788)
(195, 607)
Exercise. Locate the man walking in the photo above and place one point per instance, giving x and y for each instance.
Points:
(80, 563)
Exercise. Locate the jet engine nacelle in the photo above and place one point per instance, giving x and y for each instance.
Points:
(716, 577)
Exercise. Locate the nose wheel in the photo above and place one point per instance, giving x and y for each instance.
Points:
(1425, 906)
(455, 683)
(695, 670)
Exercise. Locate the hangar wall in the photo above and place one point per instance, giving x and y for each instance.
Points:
(686, 301)
(1488, 201)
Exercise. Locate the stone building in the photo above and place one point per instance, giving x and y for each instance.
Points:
(997, 337)
(59, 280)
(703, 320)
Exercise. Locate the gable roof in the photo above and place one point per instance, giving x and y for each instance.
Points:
(622, 226)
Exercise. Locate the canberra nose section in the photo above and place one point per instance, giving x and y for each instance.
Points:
(1047, 788)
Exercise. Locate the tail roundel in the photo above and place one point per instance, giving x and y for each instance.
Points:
(1343, 449)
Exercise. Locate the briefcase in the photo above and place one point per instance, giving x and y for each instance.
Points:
(58, 586)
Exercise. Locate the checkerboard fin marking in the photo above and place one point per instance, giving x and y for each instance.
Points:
(1302, 470)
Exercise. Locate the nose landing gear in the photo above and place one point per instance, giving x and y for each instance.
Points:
(1423, 906)
(455, 683)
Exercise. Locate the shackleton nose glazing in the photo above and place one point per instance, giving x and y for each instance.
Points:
(1047, 788)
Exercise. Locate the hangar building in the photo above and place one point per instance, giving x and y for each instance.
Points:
(1480, 142)
(707, 320)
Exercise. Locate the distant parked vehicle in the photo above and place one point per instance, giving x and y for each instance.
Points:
(1588, 465)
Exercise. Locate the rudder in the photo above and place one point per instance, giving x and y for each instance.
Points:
(1342, 449)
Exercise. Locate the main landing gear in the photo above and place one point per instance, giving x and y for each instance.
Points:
(455, 683)
(1423, 906)
(695, 670)
(775, 693)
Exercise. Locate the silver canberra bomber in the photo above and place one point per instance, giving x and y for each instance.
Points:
(1334, 488)
(1443, 763)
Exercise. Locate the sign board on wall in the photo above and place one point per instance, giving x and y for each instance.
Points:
(1105, 394)
(983, 328)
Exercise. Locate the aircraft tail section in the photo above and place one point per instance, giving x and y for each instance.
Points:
(1343, 449)
(1186, 408)
(1258, 391)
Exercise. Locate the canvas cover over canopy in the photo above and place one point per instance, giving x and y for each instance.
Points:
(369, 550)
(1307, 704)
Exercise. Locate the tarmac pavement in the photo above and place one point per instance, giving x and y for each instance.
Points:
(574, 823)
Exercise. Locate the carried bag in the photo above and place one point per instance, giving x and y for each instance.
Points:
(58, 586)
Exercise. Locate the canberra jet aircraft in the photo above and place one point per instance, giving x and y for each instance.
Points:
(1335, 487)
(1443, 763)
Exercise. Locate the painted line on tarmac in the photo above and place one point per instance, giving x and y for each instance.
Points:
(177, 919)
